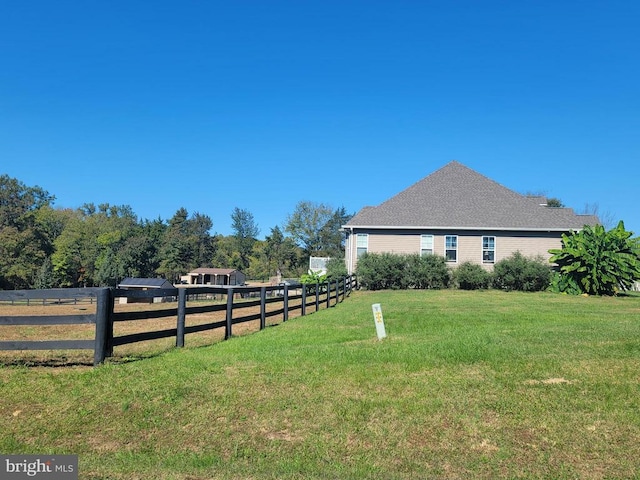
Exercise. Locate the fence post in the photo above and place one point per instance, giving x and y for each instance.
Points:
(337, 292)
(182, 314)
(102, 326)
(317, 296)
(303, 311)
(328, 284)
(111, 303)
(227, 329)
(285, 300)
(263, 307)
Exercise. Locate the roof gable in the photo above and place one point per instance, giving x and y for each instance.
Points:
(456, 196)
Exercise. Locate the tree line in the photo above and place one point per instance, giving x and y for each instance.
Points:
(42, 246)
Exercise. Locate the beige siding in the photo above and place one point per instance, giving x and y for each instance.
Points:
(506, 244)
(530, 244)
(394, 243)
(469, 248)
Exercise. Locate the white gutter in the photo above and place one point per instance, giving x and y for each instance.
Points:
(349, 255)
(502, 229)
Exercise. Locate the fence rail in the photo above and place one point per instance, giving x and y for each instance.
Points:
(305, 299)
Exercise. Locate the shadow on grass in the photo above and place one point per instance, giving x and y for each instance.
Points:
(46, 363)
(629, 293)
(63, 361)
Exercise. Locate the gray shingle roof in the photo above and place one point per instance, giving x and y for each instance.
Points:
(456, 196)
(215, 271)
(145, 282)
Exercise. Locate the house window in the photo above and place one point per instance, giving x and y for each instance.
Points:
(488, 249)
(451, 248)
(362, 244)
(426, 245)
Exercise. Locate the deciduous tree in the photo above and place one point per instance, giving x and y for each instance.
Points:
(87, 252)
(282, 254)
(187, 244)
(24, 245)
(315, 227)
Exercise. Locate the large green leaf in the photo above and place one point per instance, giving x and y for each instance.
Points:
(599, 262)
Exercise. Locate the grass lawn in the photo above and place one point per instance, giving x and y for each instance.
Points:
(466, 385)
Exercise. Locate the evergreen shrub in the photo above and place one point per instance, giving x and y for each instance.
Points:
(520, 273)
(471, 276)
(379, 271)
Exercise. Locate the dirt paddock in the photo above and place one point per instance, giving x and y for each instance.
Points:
(121, 353)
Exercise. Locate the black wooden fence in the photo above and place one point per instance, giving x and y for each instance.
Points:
(311, 298)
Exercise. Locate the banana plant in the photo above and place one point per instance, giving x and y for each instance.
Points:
(596, 261)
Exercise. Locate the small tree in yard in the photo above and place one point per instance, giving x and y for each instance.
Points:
(596, 261)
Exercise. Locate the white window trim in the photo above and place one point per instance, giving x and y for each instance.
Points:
(445, 248)
(428, 244)
(366, 243)
(487, 262)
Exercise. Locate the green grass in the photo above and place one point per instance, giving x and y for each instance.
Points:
(466, 385)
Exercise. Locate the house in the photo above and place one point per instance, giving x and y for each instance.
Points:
(132, 283)
(214, 276)
(463, 216)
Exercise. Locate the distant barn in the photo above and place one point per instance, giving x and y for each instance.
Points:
(214, 276)
(144, 284)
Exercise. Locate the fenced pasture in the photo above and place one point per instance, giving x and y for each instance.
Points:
(468, 384)
(86, 326)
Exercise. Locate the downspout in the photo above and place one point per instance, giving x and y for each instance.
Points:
(350, 244)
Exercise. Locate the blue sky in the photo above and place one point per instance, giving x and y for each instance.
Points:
(212, 105)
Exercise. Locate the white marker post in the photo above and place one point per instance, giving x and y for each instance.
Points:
(377, 317)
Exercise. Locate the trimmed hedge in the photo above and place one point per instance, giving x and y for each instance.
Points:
(521, 273)
(471, 276)
(382, 271)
